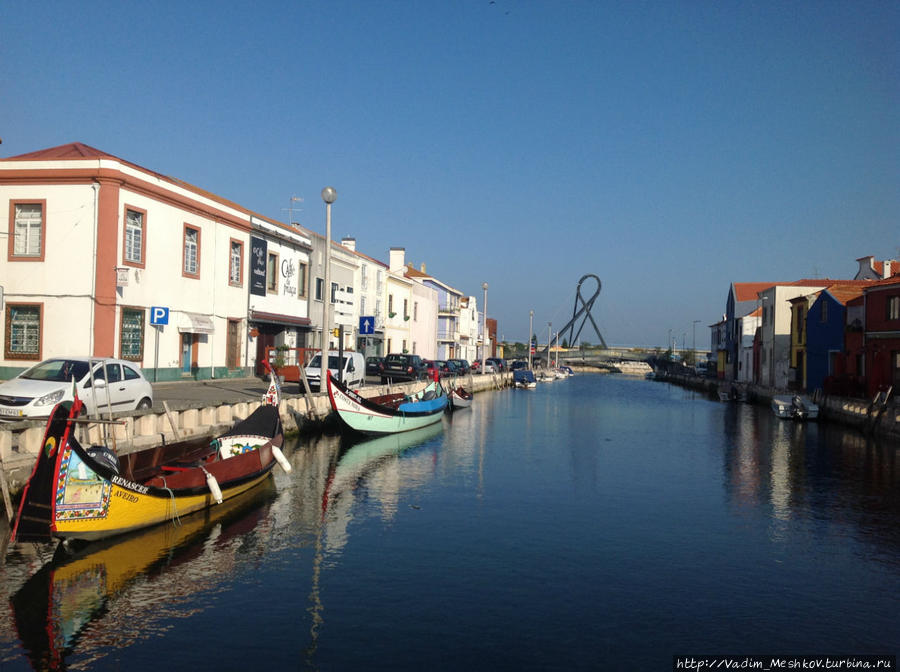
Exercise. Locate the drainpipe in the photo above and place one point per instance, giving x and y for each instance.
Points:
(95, 186)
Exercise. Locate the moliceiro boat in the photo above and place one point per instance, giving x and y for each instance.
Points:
(388, 413)
(92, 493)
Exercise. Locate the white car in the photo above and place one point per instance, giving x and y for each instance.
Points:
(103, 384)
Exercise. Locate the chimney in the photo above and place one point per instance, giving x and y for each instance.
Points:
(887, 269)
(397, 259)
(349, 243)
(423, 267)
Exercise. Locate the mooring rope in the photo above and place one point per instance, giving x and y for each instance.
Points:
(176, 520)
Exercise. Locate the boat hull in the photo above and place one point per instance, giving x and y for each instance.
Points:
(367, 417)
(74, 493)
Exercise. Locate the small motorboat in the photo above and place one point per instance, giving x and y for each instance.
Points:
(524, 379)
(804, 408)
(783, 406)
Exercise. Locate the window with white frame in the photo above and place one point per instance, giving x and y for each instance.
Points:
(893, 308)
(134, 236)
(28, 229)
(236, 263)
(191, 251)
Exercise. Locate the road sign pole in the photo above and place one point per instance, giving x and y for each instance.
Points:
(156, 356)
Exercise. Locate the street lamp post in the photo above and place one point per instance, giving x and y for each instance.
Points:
(530, 331)
(329, 195)
(549, 343)
(484, 286)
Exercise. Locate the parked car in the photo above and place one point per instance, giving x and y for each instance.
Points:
(373, 366)
(462, 366)
(498, 362)
(103, 384)
(519, 364)
(489, 367)
(398, 368)
(352, 367)
(444, 367)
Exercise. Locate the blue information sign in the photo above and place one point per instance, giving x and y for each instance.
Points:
(159, 315)
(366, 325)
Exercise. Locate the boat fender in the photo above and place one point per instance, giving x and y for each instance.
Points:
(213, 485)
(281, 459)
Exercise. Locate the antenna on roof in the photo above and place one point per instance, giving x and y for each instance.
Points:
(290, 210)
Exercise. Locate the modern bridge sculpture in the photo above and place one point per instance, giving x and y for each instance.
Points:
(583, 313)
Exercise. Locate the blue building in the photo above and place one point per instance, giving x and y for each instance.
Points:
(825, 326)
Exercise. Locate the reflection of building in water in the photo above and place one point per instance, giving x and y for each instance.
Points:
(815, 471)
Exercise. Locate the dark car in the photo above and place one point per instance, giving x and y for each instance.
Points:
(398, 368)
(373, 366)
(462, 366)
(519, 364)
(445, 367)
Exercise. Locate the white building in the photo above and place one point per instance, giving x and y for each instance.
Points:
(775, 353)
(747, 326)
(106, 258)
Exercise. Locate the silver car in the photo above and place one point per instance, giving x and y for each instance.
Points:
(103, 384)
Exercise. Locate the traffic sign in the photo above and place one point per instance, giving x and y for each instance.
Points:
(159, 315)
(366, 325)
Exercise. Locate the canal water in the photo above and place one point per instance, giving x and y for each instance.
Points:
(599, 522)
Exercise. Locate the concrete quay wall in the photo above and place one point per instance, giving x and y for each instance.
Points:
(21, 441)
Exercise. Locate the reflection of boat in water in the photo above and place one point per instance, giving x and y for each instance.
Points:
(361, 459)
(87, 591)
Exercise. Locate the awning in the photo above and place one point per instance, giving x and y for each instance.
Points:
(276, 318)
(195, 323)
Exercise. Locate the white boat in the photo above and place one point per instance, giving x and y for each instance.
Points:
(633, 368)
(783, 406)
(524, 379)
(804, 408)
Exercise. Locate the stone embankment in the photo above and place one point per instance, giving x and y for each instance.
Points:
(880, 419)
(20, 441)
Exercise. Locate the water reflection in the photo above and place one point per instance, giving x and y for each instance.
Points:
(81, 605)
(811, 473)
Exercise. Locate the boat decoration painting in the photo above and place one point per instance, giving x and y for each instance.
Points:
(390, 413)
(92, 493)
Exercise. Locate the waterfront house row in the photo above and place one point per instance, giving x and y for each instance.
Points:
(840, 336)
(107, 258)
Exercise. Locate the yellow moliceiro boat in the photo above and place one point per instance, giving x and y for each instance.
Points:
(78, 493)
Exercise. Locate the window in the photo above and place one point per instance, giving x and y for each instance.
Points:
(236, 263)
(405, 309)
(390, 305)
(334, 289)
(131, 334)
(415, 314)
(191, 251)
(272, 273)
(23, 331)
(301, 281)
(26, 239)
(893, 308)
(135, 236)
(320, 288)
(362, 305)
(130, 374)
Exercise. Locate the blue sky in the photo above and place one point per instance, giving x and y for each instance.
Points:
(669, 148)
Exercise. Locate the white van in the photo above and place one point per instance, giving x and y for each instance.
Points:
(353, 367)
